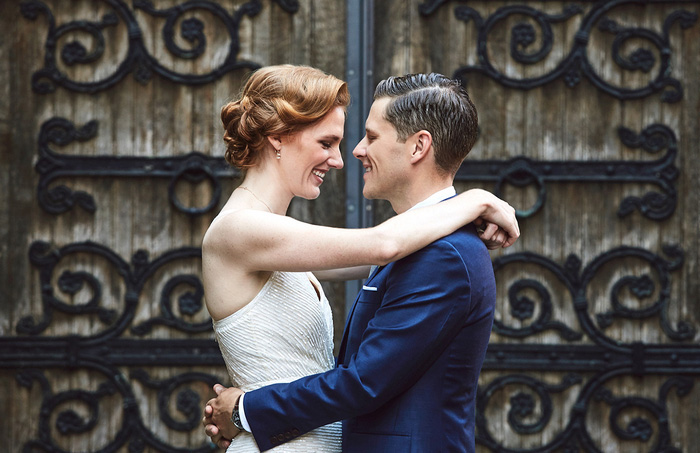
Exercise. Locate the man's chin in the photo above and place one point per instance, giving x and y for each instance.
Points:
(369, 194)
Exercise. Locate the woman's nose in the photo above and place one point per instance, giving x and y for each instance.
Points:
(336, 159)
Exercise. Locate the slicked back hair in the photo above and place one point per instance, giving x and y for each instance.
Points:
(437, 104)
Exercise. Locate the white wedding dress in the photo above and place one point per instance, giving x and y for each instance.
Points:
(284, 333)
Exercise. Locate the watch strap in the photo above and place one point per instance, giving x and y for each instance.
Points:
(236, 416)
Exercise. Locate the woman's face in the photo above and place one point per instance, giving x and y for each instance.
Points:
(307, 155)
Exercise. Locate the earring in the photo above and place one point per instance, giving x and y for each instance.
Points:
(279, 153)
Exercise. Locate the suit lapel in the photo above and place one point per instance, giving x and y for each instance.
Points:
(375, 271)
(344, 341)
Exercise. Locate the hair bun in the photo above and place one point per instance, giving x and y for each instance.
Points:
(233, 117)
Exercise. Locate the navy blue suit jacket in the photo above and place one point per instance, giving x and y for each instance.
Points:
(409, 361)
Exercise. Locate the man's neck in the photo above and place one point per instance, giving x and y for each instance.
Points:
(419, 194)
(435, 198)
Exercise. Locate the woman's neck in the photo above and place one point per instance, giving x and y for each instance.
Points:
(266, 189)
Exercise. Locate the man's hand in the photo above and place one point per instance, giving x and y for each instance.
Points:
(212, 431)
(217, 416)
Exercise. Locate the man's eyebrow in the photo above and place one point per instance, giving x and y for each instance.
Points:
(369, 130)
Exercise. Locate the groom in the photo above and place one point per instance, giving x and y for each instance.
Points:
(415, 340)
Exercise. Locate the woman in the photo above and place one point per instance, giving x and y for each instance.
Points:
(271, 318)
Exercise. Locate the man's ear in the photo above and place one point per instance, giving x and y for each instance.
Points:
(422, 143)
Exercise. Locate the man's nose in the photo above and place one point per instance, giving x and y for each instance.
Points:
(360, 150)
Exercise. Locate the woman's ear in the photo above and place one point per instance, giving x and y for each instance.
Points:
(422, 145)
(275, 141)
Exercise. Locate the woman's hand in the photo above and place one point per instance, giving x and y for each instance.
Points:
(497, 225)
(491, 234)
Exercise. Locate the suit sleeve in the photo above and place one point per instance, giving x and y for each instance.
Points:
(426, 299)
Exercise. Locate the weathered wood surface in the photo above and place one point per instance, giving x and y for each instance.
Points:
(162, 118)
(553, 123)
(158, 118)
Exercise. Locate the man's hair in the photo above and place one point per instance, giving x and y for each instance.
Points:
(437, 104)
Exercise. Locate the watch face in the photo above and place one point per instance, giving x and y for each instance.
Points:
(236, 418)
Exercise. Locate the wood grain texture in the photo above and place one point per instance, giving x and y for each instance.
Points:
(162, 118)
(158, 118)
(555, 122)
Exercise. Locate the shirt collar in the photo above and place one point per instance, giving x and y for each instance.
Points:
(437, 197)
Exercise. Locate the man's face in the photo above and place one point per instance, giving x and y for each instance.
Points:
(384, 158)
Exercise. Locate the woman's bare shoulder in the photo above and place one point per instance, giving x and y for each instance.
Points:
(231, 221)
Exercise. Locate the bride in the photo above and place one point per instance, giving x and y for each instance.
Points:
(270, 315)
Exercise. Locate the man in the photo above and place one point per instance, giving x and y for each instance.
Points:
(415, 340)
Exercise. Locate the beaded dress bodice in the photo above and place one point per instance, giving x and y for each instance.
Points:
(284, 333)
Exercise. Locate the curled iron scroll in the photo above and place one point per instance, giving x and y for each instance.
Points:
(193, 167)
(138, 60)
(133, 432)
(577, 282)
(522, 171)
(134, 275)
(576, 64)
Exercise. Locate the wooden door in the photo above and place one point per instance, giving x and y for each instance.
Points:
(112, 169)
(589, 126)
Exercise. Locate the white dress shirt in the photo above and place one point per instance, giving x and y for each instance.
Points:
(436, 198)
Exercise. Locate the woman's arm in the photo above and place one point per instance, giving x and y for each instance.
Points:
(343, 274)
(259, 241)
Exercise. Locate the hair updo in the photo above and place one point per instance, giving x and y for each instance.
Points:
(277, 100)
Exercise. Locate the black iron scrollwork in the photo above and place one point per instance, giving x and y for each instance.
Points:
(654, 205)
(50, 165)
(188, 402)
(577, 282)
(576, 65)
(133, 432)
(68, 421)
(531, 404)
(523, 308)
(137, 60)
(522, 403)
(575, 279)
(586, 368)
(576, 434)
(522, 171)
(604, 360)
(190, 303)
(135, 276)
(638, 427)
(642, 286)
(108, 349)
(193, 167)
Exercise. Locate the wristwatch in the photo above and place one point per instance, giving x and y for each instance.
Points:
(236, 416)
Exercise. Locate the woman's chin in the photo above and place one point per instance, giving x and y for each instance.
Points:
(311, 194)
